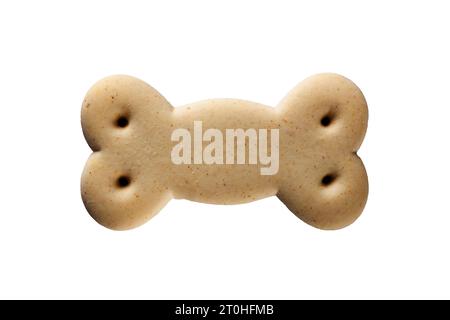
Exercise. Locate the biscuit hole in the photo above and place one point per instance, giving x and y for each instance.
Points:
(328, 179)
(326, 120)
(123, 181)
(122, 122)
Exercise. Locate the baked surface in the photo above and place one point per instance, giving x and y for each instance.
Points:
(130, 175)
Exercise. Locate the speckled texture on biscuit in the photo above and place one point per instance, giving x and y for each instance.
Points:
(130, 175)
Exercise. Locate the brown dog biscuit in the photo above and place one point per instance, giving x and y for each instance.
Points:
(224, 151)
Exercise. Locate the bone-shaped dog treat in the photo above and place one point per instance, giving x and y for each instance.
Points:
(224, 151)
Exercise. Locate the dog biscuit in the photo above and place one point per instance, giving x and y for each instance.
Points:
(224, 151)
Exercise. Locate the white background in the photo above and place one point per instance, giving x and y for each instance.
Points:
(398, 53)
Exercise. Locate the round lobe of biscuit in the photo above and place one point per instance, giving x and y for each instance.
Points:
(119, 194)
(115, 105)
